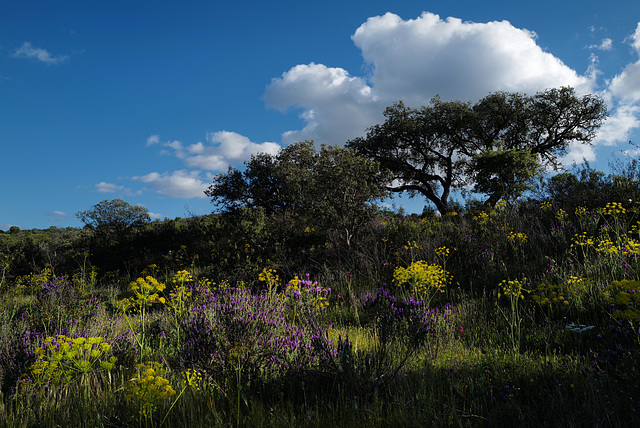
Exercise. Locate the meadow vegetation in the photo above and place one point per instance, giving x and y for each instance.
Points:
(526, 313)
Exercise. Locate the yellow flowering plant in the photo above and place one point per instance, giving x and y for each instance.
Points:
(424, 280)
(145, 294)
(271, 279)
(34, 281)
(443, 253)
(62, 359)
(149, 388)
(178, 297)
(514, 291)
(517, 238)
(412, 247)
(561, 215)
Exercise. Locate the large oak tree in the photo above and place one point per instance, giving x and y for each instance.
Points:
(496, 145)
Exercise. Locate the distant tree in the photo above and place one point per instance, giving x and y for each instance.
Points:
(497, 145)
(114, 216)
(584, 186)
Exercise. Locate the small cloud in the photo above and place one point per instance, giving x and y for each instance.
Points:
(178, 184)
(29, 52)
(222, 149)
(605, 45)
(153, 139)
(156, 216)
(57, 216)
(104, 187)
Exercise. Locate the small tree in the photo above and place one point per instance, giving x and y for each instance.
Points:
(115, 216)
(329, 190)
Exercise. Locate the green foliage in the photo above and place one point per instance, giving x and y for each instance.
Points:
(506, 173)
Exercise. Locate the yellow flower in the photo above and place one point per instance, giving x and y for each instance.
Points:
(561, 214)
(182, 277)
(512, 288)
(423, 278)
(614, 209)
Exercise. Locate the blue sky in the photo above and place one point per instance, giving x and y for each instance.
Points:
(146, 101)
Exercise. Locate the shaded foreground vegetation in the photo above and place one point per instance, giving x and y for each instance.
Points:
(525, 314)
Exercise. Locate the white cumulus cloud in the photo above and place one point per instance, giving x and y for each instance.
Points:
(38, 54)
(626, 85)
(418, 58)
(414, 60)
(336, 106)
(635, 39)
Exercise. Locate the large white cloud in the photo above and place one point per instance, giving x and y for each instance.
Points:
(625, 88)
(417, 58)
(178, 184)
(414, 60)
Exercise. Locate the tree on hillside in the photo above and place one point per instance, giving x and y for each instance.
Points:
(498, 145)
(114, 216)
(331, 188)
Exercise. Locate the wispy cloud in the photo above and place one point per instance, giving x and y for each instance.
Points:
(153, 139)
(42, 55)
(605, 45)
(57, 216)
